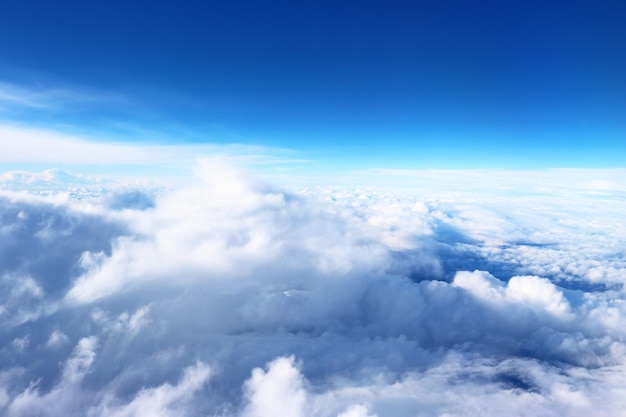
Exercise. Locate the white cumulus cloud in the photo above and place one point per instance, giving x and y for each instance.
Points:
(229, 297)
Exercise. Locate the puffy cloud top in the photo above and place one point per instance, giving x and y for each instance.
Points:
(232, 297)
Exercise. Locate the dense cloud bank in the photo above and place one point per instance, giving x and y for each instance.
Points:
(230, 297)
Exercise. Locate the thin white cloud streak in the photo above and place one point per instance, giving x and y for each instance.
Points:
(15, 97)
(23, 145)
(12, 98)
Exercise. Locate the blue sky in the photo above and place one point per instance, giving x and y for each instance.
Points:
(425, 213)
(447, 84)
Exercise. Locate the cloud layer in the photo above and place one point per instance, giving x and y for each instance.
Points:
(232, 297)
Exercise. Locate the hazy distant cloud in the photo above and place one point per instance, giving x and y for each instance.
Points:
(230, 296)
(47, 147)
(541, 181)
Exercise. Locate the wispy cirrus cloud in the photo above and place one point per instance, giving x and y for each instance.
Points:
(51, 127)
(19, 97)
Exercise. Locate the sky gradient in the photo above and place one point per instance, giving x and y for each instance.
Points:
(312, 209)
(411, 85)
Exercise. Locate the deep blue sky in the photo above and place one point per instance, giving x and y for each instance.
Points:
(414, 84)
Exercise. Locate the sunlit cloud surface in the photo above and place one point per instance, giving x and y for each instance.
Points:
(233, 297)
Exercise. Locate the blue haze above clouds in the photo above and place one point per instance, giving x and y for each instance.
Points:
(354, 210)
